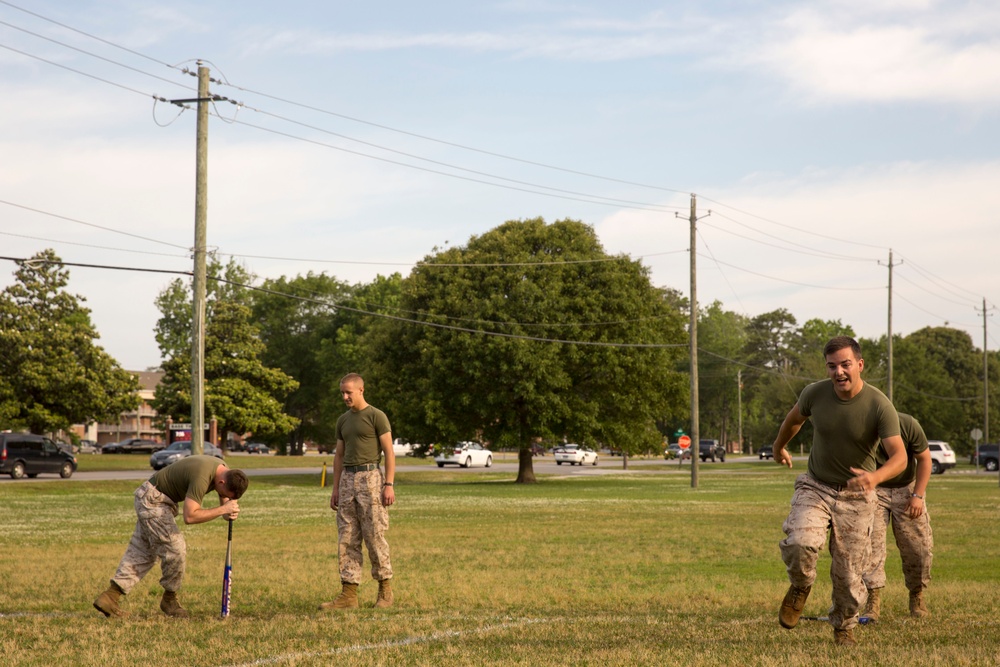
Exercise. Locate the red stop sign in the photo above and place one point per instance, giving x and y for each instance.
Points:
(684, 441)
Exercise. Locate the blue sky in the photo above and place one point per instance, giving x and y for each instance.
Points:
(820, 135)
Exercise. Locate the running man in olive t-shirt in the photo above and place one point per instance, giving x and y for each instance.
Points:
(156, 536)
(361, 494)
(836, 495)
(901, 500)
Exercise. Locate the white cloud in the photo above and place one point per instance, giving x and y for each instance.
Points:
(914, 52)
(937, 218)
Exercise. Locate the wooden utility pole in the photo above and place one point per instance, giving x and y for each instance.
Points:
(888, 341)
(739, 410)
(986, 381)
(200, 246)
(695, 431)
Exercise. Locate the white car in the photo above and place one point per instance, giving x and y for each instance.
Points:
(465, 454)
(400, 448)
(942, 456)
(574, 455)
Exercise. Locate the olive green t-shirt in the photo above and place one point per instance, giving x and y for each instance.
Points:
(915, 440)
(845, 433)
(360, 432)
(191, 477)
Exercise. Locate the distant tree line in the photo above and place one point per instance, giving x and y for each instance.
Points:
(529, 334)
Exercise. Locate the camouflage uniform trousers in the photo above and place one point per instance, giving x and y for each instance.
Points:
(156, 537)
(914, 539)
(362, 516)
(818, 509)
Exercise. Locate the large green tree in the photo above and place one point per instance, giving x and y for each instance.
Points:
(241, 392)
(299, 325)
(52, 372)
(531, 331)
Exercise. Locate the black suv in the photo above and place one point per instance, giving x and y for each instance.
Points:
(26, 454)
(711, 449)
(988, 456)
(134, 446)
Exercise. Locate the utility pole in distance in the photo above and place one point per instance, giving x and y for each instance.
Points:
(888, 340)
(986, 386)
(695, 430)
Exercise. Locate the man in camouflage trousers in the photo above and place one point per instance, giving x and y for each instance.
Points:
(836, 495)
(361, 494)
(901, 500)
(157, 537)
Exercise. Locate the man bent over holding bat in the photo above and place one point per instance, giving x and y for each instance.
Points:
(157, 536)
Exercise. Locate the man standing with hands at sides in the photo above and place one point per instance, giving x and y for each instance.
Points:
(361, 494)
(901, 500)
(836, 494)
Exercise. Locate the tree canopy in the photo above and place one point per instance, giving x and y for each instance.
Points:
(52, 372)
(242, 393)
(531, 332)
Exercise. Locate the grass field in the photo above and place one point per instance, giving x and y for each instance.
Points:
(622, 569)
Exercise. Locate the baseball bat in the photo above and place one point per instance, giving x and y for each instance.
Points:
(227, 575)
(862, 620)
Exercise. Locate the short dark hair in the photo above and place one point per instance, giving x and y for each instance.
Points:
(838, 343)
(237, 483)
(353, 377)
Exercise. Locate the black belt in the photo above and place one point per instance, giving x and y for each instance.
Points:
(835, 487)
(361, 468)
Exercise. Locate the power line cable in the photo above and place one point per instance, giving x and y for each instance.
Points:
(790, 282)
(930, 277)
(760, 340)
(792, 227)
(81, 73)
(90, 245)
(94, 55)
(91, 224)
(935, 315)
(934, 294)
(444, 173)
(85, 34)
(360, 311)
(808, 250)
(453, 144)
(645, 205)
(316, 260)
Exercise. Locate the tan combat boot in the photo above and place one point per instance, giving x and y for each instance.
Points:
(171, 606)
(844, 638)
(107, 602)
(873, 608)
(384, 598)
(348, 598)
(792, 605)
(917, 607)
